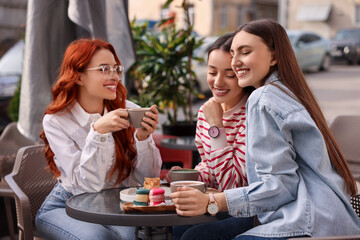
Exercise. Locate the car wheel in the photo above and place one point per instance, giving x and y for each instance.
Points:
(325, 64)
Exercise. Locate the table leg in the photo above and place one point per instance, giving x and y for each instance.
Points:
(169, 233)
(148, 233)
(137, 233)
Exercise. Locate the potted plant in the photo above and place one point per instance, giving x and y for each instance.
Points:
(163, 72)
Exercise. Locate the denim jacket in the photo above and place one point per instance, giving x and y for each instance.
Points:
(293, 189)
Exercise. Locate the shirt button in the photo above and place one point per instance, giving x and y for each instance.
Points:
(102, 139)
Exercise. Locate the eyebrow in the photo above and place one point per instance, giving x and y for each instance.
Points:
(227, 69)
(106, 64)
(240, 48)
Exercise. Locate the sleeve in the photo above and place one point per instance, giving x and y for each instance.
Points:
(224, 166)
(270, 161)
(148, 162)
(81, 170)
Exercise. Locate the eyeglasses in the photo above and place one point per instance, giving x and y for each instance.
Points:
(108, 71)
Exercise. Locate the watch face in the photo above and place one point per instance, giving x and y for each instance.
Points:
(214, 132)
(213, 208)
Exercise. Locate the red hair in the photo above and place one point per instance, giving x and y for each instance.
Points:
(76, 58)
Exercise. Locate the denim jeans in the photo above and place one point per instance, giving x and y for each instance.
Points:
(52, 222)
(224, 229)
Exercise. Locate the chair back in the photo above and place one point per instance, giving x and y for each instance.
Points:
(10, 142)
(355, 203)
(346, 130)
(31, 182)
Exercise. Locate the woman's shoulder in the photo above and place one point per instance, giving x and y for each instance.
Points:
(274, 97)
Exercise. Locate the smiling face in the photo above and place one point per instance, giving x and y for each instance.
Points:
(94, 87)
(222, 80)
(251, 59)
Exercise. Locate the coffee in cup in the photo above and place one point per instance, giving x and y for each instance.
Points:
(184, 174)
(136, 116)
(201, 186)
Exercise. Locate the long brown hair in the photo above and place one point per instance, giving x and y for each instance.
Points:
(76, 58)
(275, 37)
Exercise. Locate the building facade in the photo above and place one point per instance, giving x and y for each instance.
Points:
(210, 17)
(325, 17)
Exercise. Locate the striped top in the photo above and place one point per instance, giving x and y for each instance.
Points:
(222, 163)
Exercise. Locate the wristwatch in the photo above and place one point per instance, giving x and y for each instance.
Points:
(214, 132)
(213, 207)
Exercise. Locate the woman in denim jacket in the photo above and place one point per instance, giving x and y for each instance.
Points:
(299, 181)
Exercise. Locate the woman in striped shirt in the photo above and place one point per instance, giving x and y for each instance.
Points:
(220, 133)
(220, 136)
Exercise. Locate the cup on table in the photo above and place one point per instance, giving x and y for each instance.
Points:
(184, 174)
(136, 116)
(194, 184)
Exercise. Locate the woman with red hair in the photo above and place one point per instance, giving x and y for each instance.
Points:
(90, 144)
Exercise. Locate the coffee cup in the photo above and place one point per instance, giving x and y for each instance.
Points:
(184, 174)
(136, 116)
(201, 186)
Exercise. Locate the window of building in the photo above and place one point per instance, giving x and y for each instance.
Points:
(240, 16)
(164, 13)
(224, 15)
(357, 14)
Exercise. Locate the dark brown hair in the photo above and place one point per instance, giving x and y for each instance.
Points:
(76, 58)
(275, 37)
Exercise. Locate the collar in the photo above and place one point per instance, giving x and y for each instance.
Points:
(272, 78)
(82, 116)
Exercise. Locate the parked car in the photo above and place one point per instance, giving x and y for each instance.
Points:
(200, 68)
(311, 50)
(10, 72)
(346, 45)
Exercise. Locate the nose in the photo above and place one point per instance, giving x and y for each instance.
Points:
(219, 80)
(114, 75)
(235, 61)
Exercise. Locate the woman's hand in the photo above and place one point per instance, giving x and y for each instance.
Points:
(150, 123)
(113, 121)
(189, 201)
(167, 176)
(213, 113)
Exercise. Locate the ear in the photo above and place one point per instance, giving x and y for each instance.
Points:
(79, 81)
(273, 61)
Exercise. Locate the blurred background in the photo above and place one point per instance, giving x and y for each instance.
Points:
(325, 35)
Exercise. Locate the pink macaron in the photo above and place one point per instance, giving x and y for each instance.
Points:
(156, 196)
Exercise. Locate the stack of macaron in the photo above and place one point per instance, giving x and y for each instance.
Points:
(153, 197)
(156, 196)
(141, 197)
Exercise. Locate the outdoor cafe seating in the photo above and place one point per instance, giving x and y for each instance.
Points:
(11, 140)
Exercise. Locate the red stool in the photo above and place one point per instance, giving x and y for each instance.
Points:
(172, 155)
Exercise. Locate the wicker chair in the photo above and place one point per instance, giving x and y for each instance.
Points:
(31, 183)
(10, 142)
(346, 130)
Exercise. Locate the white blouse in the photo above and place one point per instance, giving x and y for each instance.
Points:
(84, 157)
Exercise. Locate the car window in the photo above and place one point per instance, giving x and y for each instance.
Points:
(309, 38)
(347, 34)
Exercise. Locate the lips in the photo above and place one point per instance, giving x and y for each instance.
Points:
(220, 92)
(240, 72)
(110, 87)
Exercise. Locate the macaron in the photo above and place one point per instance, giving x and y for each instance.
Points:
(141, 197)
(156, 196)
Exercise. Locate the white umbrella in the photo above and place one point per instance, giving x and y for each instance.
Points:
(51, 25)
